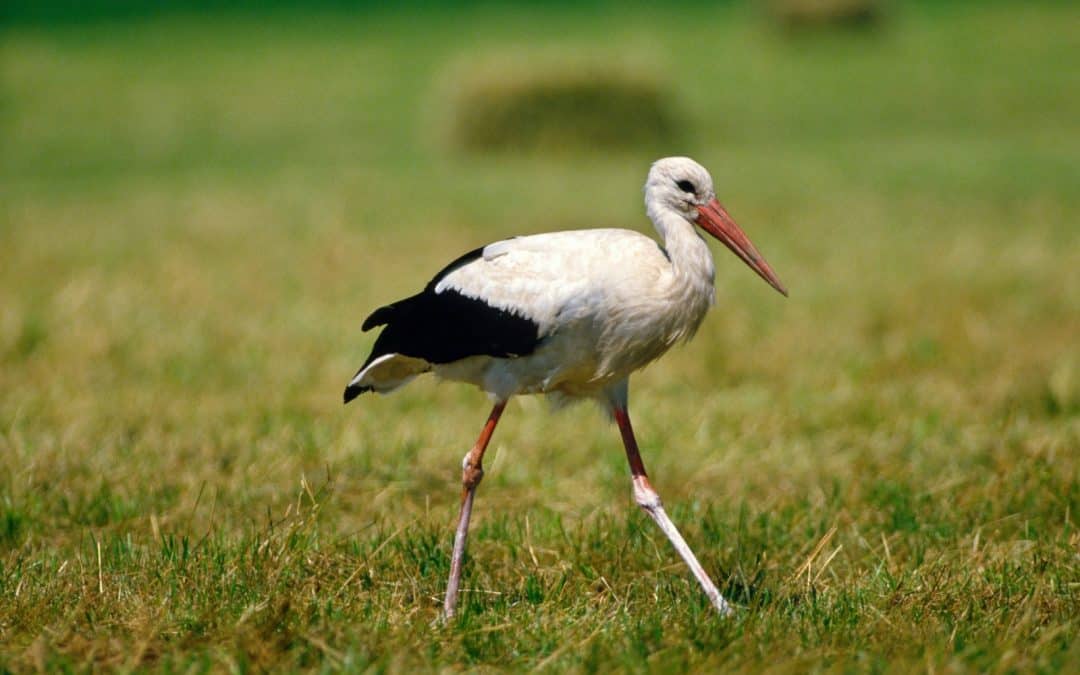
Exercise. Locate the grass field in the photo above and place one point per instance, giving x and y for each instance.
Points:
(882, 471)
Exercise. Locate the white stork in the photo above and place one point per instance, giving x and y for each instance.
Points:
(568, 314)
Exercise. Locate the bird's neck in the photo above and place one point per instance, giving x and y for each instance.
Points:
(690, 258)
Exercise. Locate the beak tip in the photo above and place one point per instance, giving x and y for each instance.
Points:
(716, 221)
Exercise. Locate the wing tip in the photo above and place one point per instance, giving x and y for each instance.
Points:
(377, 318)
(354, 390)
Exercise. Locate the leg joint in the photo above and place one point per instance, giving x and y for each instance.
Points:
(471, 472)
(471, 477)
(644, 494)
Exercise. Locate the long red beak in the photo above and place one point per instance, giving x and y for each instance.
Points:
(715, 220)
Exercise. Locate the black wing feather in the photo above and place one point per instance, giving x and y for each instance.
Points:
(449, 326)
(385, 315)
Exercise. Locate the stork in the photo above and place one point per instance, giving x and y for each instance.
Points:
(568, 314)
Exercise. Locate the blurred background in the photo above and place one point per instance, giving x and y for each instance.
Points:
(201, 202)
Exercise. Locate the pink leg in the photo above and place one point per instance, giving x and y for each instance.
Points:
(646, 498)
(472, 471)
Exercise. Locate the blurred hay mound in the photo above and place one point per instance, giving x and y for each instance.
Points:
(541, 104)
(794, 14)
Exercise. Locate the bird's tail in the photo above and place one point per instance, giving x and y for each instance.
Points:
(385, 374)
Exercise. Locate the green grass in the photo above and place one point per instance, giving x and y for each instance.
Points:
(881, 471)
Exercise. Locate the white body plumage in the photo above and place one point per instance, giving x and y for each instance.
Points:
(606, 302)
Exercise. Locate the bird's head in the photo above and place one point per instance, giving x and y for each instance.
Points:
(682, 186)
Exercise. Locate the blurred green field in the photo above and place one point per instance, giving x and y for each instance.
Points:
(881, 471)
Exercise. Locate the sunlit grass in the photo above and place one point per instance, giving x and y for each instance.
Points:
(881, 470)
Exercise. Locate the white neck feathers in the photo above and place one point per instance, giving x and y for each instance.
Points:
(686, 249)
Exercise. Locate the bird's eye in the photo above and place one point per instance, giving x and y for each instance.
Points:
(686, 186)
